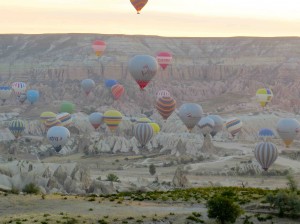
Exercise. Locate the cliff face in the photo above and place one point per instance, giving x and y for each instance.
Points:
(202, 68)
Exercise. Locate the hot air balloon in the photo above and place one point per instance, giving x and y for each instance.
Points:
(65, 119)
(32, 96)
(219, 123)
(155, 126)
(162, 93)
(19, 88)
(67, 107)
(190, 114)
(164, 59)
(287, 129)
(165, 106)
(110, 83)
(234, 126)
(96, 119)
(138, 4)
(144, 120)
(266, 153)
(143, 68)
(5, 92)
(206, 125)
(265, 134)
(16, 127)
(112, 118)
(51, 122)
(58, 136)
(87, 85)
(264, 96)
(99, 47)
(22, 97)
(117, 91)
(143, 132)
(46, 115)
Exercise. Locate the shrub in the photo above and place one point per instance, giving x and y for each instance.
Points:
(31, 188)
(152, 169)
(292, 184)
(223, 209)
(112, 177)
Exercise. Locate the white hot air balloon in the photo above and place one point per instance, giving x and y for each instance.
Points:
(288, 129)
(58, 136)
(265, 153)
(190, 114)
(206, 125)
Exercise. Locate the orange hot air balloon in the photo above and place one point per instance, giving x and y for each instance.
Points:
(117, 91)
(138, 4)
(99, 47)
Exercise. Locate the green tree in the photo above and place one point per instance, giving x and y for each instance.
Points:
(292, 184)
(152, 169)
(223, 209)
(31, 188)
(112, 177)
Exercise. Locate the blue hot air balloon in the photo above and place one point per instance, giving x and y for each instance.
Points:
(110, 83)
(32, 96)
(266, 134)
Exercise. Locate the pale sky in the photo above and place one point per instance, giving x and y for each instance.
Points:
(187, 18)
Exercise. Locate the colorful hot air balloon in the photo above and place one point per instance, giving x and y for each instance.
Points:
(138, 4)
(234, 126)
(110, 83)
(143, 68)
(264, 96)
(143, 132)
(96, 119)
(117, 91)
(51, 122)
(288, 129)
(164, 59)
(46, 115)
(112, 118)
(219, 123)
(22, 97)
(65, 119)
(67, 107)
(32, 96)
(155, 126)
(190, 114)
(266, 153)
(206, 125)
(99, 47)
(16, 127)
(162, 93)
(5, 92)
(19, 88)
(144, 120)
(265, 134)
(87, 85)
(165, 106)
(58, 136)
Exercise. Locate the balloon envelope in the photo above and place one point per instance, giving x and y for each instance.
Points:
(46, 115)
(165, 106)
(110, 83)
(219, 123)
(112, 118)
(206, 125)
(32, 96)
(143, 133)
(264, 96)
(17, 127)
(5, 92)
(155, 126)
(99, 47)
(65, 119)
(96, 119)
(164, 59)
(51, 122)
(266, 153)
(22, 97)
(190, 114)
(265, 134)
(143, 68)
(287, 129)
(19, 88)
(144, 120)
(117, 91)
(234, 126)
(138, 4)
(87, 85)
(162, 93)
(67, 107)
(58, 137)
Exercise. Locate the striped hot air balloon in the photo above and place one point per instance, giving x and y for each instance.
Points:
(65, 119)
(19, 88)
(46, 115)
(164, 59)
(162, 93)
(117, 91)
(143, 132)
(17, 127)
(206, 125)
(51, 122)
(5, 92)
(99, 47)
(96, 119)
(264, 96)
(165, 106)
(288, 129)
(234, 126)
(138, 4)
(190, 114)
(266, 153)
(112, 118)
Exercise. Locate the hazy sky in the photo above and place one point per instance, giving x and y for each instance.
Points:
(159, 17)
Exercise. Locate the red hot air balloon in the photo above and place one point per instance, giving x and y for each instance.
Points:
(99, 47)
(138, 4)
(164, 59)
(117, 91)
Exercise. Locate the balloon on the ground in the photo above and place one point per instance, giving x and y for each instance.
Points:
(51, 122)
(138, 4)
(266, 134)
(112, 119)
(264, 96)
(67, 107)
(219, 124)
(87, 85)
(58, 136)
(110, 82)
(234, 126)
(143, 68)
(99, 47)
(206, 125)
(288, 129)
(5, 92)
(190, 114)
(16, 127)
(143, 132)
(117, 91)
(155, 126)
(19, 88)
(32, 96)
(46, 115)
(96, 119)
(165, 106)
(163, 93)
(164, 59)
(65, 119)
(265, 153)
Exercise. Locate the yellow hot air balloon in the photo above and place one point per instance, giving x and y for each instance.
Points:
(264, 96)
(144, 120)
(155, 126)
(46, 115)
(112, 118)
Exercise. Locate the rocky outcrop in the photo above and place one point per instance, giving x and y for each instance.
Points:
(180, 180)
